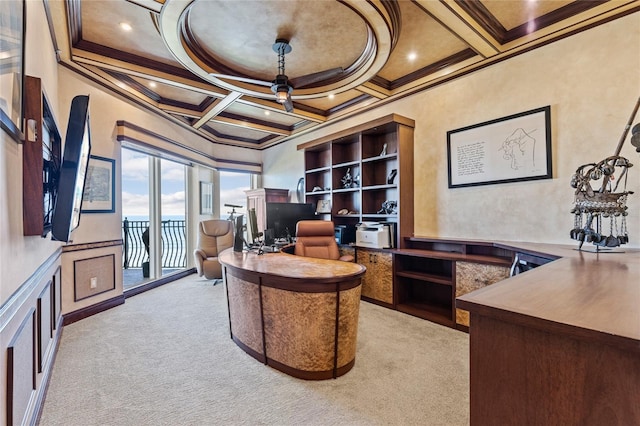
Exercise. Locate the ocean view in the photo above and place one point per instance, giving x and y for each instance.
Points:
(173, 241)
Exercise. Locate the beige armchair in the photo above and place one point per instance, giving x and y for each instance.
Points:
(214, 236)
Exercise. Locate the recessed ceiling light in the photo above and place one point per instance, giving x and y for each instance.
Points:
(267, 113)
(125, 26)
(412, 56)
(331, 96)
(152, 84)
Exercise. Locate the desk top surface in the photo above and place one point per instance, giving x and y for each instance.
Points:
(594, 295)
(291, 266)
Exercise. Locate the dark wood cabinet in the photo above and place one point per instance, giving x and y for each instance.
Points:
(41, 158)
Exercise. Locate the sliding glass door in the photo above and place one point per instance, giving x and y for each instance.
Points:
(154, 213)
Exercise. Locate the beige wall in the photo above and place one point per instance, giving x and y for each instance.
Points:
(20, 256)
(591, 82)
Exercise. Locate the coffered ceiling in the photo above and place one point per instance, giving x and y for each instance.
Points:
(208, 64)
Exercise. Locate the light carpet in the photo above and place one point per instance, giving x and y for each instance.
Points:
(165, 357)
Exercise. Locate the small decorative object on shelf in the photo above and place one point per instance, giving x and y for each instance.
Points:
(300, 190)
(324, 206)
(392, 176)
(388, 207)
(609, 201)
(356, 182)
(347, 180)
(384, 150)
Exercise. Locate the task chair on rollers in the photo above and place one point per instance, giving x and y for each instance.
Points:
(316, 238)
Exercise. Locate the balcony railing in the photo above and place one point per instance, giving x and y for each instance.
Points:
(135, 235)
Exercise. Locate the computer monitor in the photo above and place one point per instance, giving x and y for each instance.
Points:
(282, 218)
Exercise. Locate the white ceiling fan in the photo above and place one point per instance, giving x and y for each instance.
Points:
(282, 86)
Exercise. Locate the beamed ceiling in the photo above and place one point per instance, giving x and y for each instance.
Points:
(199, 63)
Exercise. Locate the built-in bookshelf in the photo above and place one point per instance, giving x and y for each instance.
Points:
(365, 174)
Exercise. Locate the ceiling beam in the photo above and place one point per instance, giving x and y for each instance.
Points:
(449, 14)
(216, 108)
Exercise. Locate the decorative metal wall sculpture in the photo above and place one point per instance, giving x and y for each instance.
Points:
(607, 201)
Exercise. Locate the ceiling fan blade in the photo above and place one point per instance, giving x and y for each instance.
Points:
(288, 104)
(306, 80)
(242, 79)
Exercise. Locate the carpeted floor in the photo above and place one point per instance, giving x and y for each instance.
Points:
(165, 358)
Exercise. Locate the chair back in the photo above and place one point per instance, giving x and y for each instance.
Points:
(316, 238)
(215, 236)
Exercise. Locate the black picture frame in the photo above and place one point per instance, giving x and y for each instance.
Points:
(13, 14)
(508, 149)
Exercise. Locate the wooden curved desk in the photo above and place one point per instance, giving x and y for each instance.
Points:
(296, 314)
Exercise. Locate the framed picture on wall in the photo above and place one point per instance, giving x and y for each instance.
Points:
(206, 197)
(12, 70)
(100, 186)
(508, 149)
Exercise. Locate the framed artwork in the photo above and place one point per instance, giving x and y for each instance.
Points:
(12, 22)
(509, 149)
(100, 186)
(206, 197)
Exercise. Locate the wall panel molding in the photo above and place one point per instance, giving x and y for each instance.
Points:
(11, 307)
(21, 371)
(93, 276)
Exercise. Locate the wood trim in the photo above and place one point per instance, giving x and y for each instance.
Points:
(96, 308)
(157, 283)
(123, 125)
(127, 57)
(490, 24)
(392, 119)
(91, 246)
(456, 58)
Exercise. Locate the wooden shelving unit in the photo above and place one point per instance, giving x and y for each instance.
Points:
(426, 276)
(368, 154)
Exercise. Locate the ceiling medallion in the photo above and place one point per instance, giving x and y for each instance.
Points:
(198, 56)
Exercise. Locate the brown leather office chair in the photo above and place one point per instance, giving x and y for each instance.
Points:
(214, 236)
(316, 238)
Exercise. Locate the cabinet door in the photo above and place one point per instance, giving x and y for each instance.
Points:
(377, 282)
(473, 276)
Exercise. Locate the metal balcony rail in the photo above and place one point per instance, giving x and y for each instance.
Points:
(135, 236)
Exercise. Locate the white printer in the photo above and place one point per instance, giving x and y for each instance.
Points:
(373, 235)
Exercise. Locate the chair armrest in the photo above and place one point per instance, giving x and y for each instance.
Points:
(200, 253)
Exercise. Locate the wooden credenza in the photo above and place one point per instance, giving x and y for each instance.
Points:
(558, 345)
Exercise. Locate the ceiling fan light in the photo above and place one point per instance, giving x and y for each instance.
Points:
(282, 94)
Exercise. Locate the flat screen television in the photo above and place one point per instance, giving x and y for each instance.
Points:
(73, 171)
(282, 218)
